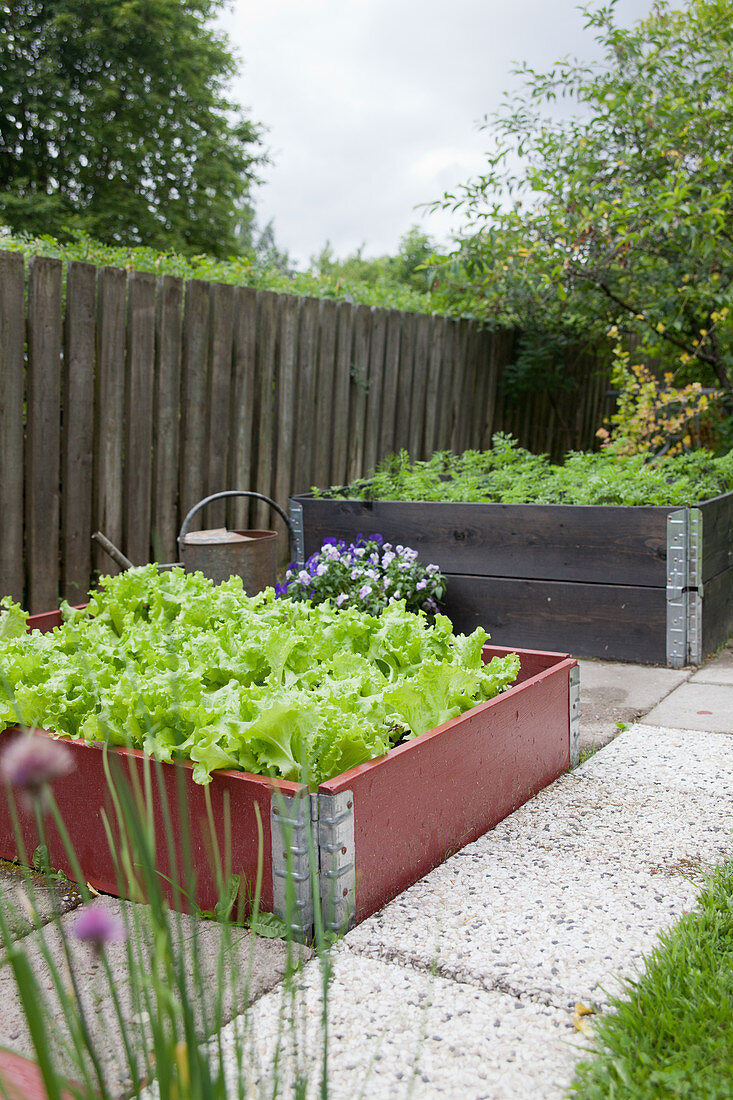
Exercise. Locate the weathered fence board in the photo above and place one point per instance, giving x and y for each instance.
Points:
(286, 408)
(242, 424)
(446, 386)
(323, 424)
(12, 384)
(265, 413)
(166, 413)
(433, 392)
(143, 395)
(305, 402)
(404, 383)
(375, 383)
(140, 369)
(77, 438)
(358, 391)
(342, 393)
(390, 382)
(220, 371)
(110, 406)
(43, 432)
(194, 419)
(420, 368)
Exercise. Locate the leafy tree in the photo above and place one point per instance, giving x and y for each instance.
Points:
(407, 268)
(607, 203)
(114, 120)
(262, 244)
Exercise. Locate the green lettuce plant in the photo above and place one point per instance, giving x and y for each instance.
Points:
(182, 669)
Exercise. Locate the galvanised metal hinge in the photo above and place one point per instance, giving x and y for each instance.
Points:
(684, 587)
(338, 867)
(574, 704)
(292, 845)
(295, 512)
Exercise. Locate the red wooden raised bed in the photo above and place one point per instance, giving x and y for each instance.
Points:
(376, 829)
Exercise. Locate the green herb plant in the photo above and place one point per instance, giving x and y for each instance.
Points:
(179, 983)
(508, 474)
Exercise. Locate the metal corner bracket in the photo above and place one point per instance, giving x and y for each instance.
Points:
(313, 842)
(684, 587)
(295, 511)
(574, 708)
(338, 867)
(292, 843)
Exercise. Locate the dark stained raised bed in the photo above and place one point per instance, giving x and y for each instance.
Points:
(647, 584)
(377, 828)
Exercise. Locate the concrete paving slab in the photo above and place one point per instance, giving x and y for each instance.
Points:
(572, 889)
(717, 671)
(698, 706)
(611, 693)
(27, 906)
(268, 965)
(396, 1033)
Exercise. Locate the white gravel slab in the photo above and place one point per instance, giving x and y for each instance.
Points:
(717, 671)
(696, 706)
(465, 985)
(572, 889)
(395, 1033)
(611, 692)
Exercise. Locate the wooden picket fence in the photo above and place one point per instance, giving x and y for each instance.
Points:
(126, 398)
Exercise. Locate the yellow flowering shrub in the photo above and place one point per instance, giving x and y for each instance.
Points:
(654, 415)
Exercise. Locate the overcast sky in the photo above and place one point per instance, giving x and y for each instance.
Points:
(371, 105)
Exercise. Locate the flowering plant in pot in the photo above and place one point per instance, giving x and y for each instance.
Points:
(368, 574)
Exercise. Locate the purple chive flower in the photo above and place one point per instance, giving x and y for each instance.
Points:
(33, 761)
(98, 927)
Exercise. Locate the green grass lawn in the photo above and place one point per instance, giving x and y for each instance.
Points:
(671, 1034)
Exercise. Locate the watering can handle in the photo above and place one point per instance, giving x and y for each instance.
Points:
(232, 493)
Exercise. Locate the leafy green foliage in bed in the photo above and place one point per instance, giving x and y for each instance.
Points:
(182, 669)
(671, 1033)
(510, 475)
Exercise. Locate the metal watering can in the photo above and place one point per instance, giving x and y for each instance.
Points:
(220, 553)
